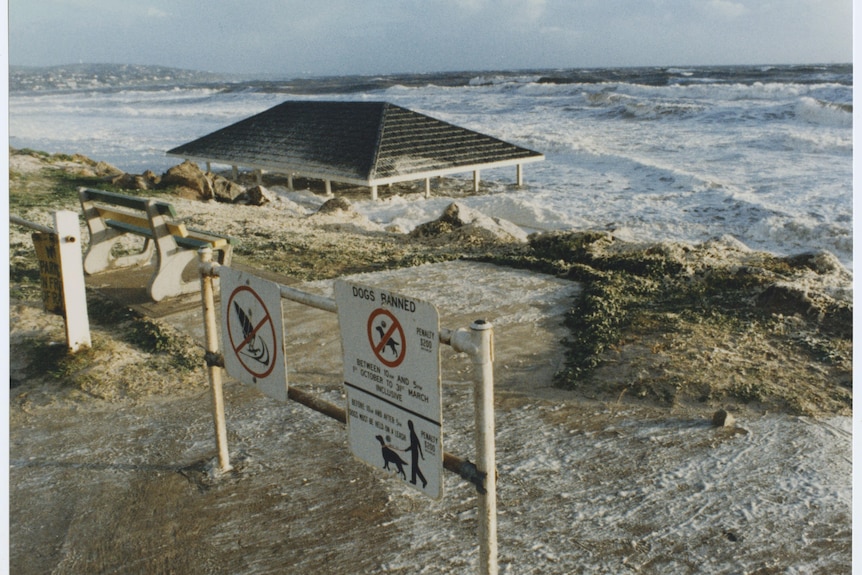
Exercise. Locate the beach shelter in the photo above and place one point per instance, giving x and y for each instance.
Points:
(361, 143)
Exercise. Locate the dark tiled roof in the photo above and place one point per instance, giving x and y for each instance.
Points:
(359, 142)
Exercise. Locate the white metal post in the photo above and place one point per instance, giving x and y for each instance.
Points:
(483, 398)
(74, 290)
(212, 347)
(519, 175)
(476, 180)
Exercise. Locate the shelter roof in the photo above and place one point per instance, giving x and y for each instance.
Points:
(365, 143)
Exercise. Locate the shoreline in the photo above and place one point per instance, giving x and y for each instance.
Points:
(643, 296)
(112, 451)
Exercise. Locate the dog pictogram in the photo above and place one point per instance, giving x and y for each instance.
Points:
(386, 337)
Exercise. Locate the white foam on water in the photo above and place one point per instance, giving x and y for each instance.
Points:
(769, 162)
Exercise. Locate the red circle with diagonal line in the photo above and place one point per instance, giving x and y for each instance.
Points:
(240, 324)
(391, 340)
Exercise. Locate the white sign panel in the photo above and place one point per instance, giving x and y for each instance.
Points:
(252, 332)
(392, 379)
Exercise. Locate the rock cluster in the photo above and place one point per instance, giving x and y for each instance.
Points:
(192, 183)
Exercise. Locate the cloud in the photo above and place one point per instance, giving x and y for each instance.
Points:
(378, 36)
(154, 12)
(726, 8)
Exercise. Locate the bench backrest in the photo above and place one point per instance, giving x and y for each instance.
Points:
(131, 202)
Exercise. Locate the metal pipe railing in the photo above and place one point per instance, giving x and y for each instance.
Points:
(477, 342)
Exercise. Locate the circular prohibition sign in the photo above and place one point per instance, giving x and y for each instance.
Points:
(252, 349)
(391, 336)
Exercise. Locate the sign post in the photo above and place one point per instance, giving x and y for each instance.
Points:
(392, 380)
(252, 332)
(62, 275)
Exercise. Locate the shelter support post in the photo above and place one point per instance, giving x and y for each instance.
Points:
(234, 171)
(258, 177)
(205, 256)
(328, 185)
(476, 180)
(290, 182)
(209, 167)
(427, 188)
(374, 193)
(520, 175)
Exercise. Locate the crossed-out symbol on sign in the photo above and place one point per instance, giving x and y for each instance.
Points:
(251, 342)
(386, 337)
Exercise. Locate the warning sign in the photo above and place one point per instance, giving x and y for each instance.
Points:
(47, 248)
(392, 379)
(252, 332)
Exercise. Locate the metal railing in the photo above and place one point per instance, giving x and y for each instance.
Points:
(477, 342)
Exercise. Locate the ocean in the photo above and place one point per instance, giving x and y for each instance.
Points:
(761, 153)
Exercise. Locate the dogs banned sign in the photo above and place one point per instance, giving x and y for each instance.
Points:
(252, 332)
(392, 379)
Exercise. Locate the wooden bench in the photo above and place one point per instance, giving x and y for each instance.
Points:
(110, 216)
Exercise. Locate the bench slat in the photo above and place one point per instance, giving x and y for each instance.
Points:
(130, 228)
(141, 221)
(193, 243)
(208, 236)
(132, 202)
(182, 241)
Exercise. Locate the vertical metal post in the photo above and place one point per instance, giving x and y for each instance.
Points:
(74, 288)
(212, 347)
(519, 175)
(476, 180)
(483, 397)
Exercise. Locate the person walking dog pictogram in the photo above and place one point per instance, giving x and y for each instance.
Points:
(415, 450)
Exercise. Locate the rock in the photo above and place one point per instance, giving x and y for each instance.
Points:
(225, 190)
(136, 182)
(106, 170)
(460, 223)
(130, 182)
(395, 229)
(257, 196)
(335, 205)
(153, 179)
(722, 418)
(193, 183)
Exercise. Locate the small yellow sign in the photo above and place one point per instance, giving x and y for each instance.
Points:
(48, 254)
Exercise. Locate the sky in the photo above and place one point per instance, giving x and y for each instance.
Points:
(337, 37)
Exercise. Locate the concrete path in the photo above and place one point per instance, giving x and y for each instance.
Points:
(525, 308)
